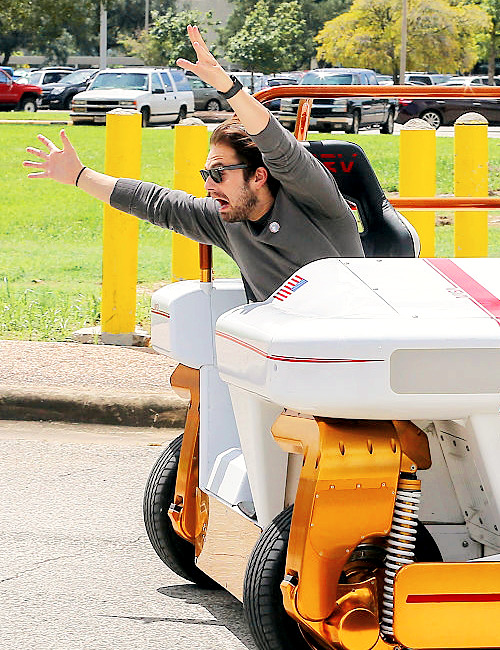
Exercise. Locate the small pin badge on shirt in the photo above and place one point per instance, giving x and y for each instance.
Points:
(274, 226)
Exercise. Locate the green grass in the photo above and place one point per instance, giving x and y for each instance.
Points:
(51, 235)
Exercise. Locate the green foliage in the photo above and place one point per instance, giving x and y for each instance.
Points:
(24, 23)
(269, 42)
(313, 12)
(166, 40)
(440, 36)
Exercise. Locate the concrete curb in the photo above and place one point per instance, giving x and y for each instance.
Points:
(146, 410)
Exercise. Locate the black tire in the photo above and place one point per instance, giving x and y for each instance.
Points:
(271, 627)
(433, 118)
(213, 105)
(182, 114)
(388, 125)
(354, 128)
(28, 104)
(145, 115)
(176, 552)
(67, 103)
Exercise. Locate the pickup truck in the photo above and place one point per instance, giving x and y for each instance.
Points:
(20, 97)
(347, 114)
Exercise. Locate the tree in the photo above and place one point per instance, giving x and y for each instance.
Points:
(492, 40)
(166, 40)
(440, 36)
(269, 42)
(313, 12)
(25, 24)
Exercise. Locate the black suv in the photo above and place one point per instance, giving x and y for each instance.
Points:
(347, 113)
(59, 95)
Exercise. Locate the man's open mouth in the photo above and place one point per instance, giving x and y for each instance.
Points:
(221, 202)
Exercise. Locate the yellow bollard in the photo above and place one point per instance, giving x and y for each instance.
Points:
(190, 155)
(471, 179)
(120, 232)
(417, 177)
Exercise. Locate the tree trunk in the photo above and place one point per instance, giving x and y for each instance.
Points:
(492, 55)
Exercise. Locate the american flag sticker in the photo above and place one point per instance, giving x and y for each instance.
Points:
(287, 289)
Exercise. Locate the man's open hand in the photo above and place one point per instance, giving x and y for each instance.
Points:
(62, 165)
(206, 66)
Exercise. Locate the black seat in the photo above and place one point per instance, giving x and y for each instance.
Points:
(385, 232)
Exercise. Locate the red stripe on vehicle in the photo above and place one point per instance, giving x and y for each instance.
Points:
(453, 598)
(479, 295)
(160, 313)
(274, 357)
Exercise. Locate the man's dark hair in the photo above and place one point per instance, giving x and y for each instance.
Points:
(232, 133)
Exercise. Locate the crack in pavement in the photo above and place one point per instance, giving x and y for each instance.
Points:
(37, 566)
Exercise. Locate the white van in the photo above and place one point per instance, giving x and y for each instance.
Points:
(159, 94)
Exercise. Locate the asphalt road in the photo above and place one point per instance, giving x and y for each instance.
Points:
(77, 570)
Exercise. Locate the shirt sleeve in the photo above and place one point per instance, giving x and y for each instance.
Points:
(301, 175)
(196, 218)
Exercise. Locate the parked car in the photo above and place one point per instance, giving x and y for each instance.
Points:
(426, 78)
(8, 70)
(443, 112)
(48, 75)
(159, 94)
(21, 75)
(480, 80)
(274, 105)
(20, 97)
(259, 80)
(60, 94)
(385, 80)
(206, 98)
(348, 114)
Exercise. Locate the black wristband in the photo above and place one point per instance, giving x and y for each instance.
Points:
(79, 174)
(235, 88)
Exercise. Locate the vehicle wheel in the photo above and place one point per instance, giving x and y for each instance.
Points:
(266, 616)
(29, 105)
(433, 118)
(213, 105)
(176, 552)
(354, 128)
(267, 619)
(388, 125)
(67, 103)
(145, 114)
(182, 114)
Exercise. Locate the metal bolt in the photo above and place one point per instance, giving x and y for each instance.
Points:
(332, 487)
(383, 484)
(358, 485)
(465, 543)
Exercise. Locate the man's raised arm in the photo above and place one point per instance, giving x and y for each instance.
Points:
(252, 114)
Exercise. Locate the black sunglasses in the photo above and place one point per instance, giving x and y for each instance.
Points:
(216, 173)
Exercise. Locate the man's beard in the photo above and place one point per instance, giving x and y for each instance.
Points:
(241, 212)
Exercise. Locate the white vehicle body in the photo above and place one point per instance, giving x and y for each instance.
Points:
(372, 339)
(160, 94)
(350, 341)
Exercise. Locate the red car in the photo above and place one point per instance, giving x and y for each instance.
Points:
(20, 97)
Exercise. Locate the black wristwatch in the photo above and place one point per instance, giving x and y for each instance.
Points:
(235, 88)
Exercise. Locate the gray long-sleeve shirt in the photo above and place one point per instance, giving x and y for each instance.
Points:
(309, 220)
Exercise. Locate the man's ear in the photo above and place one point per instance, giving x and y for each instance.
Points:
(260, 177)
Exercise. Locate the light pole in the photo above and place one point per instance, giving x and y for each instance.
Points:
(146, 16)
(404, 30)
(103, 37)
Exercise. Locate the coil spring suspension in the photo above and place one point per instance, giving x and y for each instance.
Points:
(400, 545)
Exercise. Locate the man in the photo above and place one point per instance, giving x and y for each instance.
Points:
(271, 205)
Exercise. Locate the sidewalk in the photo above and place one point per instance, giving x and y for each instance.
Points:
(87, 383)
